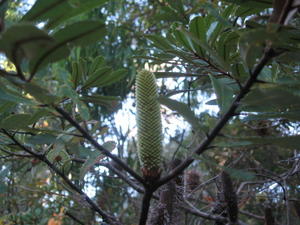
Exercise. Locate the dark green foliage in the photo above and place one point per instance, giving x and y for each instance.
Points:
(67, 111)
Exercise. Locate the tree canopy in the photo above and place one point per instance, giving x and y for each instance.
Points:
(228, 83)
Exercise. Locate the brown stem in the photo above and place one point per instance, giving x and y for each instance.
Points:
(99, 147)
(106, 217)
(145, 206)
(223, 121)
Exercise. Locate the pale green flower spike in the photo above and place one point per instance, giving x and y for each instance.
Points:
(149, 124)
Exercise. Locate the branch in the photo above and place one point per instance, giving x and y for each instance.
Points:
(99, 147)
(74, 218)
(284, 16)
(252, 215)
(5, 73)
(106, 217)
(268, 54)
(223, 121)
(125, 178)
(16, 154)
(194, 211)
(120, 174)
(189, 208)
(145, 206)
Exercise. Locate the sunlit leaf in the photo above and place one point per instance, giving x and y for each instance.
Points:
(83, 110)
(183, 110)
(293, 116)
(224, 93)
(77, 34)
(209, 51)
(95, 157)
(57, 11)
(290, 142)
(7, 95)
(96, 78)
(160, 42)
(109, 102)
(40, 94)
(24, 40)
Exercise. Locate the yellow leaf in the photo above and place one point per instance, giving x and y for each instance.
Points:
(53, 221)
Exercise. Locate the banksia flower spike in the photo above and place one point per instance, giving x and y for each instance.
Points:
(149, 124)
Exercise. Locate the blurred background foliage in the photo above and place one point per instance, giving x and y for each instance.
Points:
(201, 53)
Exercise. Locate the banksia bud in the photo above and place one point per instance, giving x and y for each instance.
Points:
(192, 180)
(148, 124)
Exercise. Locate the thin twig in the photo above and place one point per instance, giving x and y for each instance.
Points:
(106, 217)
(252, 215)
(74, 218)
(267, 56)
(5, 73)
(223, 121)
(120, 174)
(16, 154)
(99, 147)
(125, 178)
(193, 210)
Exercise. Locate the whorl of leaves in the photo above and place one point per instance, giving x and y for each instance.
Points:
(149, 124)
